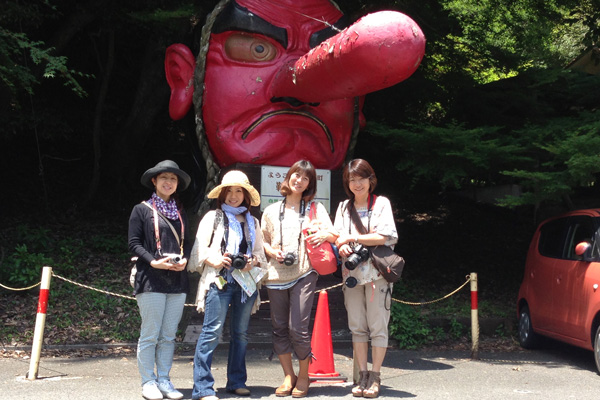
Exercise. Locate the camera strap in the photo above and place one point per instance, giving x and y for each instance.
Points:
(226, 235)
(156, 231)
(300, 218)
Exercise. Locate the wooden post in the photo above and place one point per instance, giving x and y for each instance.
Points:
(474, 318)
(40, 321)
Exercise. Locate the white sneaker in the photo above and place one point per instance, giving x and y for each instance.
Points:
(150, 391)
(167, 390)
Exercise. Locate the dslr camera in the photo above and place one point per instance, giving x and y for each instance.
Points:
(359, 255)
(173, 258)
(238, 261)
(289, 258)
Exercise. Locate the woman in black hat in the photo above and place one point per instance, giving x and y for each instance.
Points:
(157, 237)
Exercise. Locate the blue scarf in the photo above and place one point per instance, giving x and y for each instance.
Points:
(169, 209)
(236, 235)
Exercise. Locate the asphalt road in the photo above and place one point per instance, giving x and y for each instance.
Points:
(559, 372)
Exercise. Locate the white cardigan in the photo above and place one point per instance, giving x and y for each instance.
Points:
(201, 252)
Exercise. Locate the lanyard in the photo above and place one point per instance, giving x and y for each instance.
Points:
(157, 236)
(300, 218)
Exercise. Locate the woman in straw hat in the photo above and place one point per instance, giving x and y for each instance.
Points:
(229, 255)
(291, 279)
(157, 238)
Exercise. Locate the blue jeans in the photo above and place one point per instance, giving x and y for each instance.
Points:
(215, 311)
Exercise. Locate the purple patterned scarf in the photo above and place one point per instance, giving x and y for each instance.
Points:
(168, 209)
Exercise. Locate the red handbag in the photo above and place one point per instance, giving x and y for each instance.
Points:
(322, 258)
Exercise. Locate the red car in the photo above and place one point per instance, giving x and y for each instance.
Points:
(559, 296)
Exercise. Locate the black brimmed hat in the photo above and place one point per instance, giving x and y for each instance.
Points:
(166, 166)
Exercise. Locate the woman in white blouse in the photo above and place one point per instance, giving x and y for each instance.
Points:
(365, 220)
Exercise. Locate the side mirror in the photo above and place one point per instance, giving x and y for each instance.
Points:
(584, 251)
(582, 248)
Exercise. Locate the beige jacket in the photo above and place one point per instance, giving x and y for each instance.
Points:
(281, 273)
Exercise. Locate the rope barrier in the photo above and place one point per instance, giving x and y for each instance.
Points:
(468, 279)
(18, 289)
(47, 273)
(436, 300)
(92, 288)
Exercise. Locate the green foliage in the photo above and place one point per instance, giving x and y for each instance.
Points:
(452, 155)
(408, 326)
(38, 238)
(23, 268)
(540, 130)
(457, 330)
(18, 75)
(114, 244)
(502, 37)
(561, 156)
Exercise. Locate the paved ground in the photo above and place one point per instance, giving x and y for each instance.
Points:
(555, 373)
(552, 374)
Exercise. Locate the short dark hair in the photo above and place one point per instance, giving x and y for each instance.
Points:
(362, 168)
(303, 167)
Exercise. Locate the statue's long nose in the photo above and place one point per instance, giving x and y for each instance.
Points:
(378, 51)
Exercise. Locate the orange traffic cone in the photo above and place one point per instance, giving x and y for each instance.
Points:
(322, 367)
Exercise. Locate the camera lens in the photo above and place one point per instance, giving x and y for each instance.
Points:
(238, 261)
(289, 259)
(352, 261)
(175, 260)
(351, 282)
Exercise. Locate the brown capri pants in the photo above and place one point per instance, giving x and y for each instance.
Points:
(369, 312)
(290, 316)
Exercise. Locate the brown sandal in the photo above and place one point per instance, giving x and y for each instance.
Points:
(297, 392)
(372, 390)
(363, 378)
(285, 390)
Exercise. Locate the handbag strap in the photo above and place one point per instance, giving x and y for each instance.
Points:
(156, 212)
(312, 214)
(356, 219)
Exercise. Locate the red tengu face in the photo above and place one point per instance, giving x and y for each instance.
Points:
(252, 41)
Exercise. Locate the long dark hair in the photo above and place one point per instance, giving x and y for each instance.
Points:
(223, 195)
(302, 167)
(359, 168)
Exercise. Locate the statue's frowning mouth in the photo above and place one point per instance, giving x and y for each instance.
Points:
(306, 114)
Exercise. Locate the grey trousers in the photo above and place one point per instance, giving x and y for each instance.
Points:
(290, 316)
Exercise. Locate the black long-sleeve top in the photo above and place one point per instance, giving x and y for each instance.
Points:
(142, 243)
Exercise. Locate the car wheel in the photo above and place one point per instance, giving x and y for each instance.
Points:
(527, 337)
(597, 349)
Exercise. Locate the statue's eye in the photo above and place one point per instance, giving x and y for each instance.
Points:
(248, 48)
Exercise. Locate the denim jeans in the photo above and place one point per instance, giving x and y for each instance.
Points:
(215, 311)
(160, 314)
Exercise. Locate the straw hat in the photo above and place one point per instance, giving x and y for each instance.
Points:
(236, 178)
(166, 166)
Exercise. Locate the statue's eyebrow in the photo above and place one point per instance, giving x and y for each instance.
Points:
(237, 18)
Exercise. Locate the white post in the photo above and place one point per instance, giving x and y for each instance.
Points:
(474, 318)
(40, 321)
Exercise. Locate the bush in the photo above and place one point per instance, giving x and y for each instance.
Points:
(408, 327)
